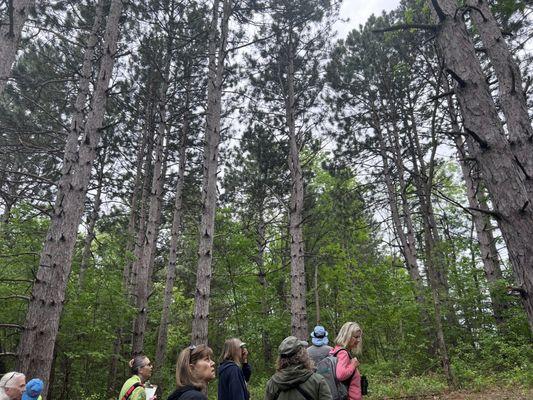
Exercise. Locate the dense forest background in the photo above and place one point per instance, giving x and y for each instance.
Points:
(177, 171)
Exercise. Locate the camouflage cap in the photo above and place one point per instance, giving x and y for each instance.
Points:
(290, 345)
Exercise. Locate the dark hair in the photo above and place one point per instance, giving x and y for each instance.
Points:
(301, 357)
(191, 355)
(136, 363)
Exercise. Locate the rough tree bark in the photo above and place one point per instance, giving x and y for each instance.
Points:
(48, 294)
(511, 95)
(482, 223)
(149, 127)
(209, 185)
(149, 239)
(299, 326)
(504, 178)
(175, 234)
(132, 222)
(91, 224)
(10, 33)
(261, 274)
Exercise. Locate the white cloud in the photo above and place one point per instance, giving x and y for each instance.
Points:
(358, 12)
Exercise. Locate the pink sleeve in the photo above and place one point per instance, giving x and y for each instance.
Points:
(344, 366)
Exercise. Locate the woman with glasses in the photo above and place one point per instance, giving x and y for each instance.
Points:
(133, 388)
(234, 371)
(195, 368)
(12, 385)
(348, 341)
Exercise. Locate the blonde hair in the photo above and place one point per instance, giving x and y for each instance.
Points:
(8, 381)
(188, 356)
(348, 330)
(232, 351)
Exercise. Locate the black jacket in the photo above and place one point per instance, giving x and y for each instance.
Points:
(232, 381)
(187, 393)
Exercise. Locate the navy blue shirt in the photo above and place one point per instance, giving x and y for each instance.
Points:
(232, 381)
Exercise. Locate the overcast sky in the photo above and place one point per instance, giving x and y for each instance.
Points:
(359, 10)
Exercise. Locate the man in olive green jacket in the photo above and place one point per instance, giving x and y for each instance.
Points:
(295, 379)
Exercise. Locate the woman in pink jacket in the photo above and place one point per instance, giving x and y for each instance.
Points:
(347, 341)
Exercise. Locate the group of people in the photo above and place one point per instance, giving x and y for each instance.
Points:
(13, 386)
(295, 378)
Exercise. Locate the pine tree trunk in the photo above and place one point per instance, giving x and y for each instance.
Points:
(511, 95)
(86, 254)
(145, 193)
(482, 223)
(407, 242)
(209, 186)
(48, 295)
(175, 234)
(10, 33)
(132, 222)
(149, 243)
(299, 326)
(261, 246)
(10, 198)
(504, 179)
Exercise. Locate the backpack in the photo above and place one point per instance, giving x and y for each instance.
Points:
(327, 367)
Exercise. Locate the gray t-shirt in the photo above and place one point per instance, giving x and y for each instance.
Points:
(317, 353)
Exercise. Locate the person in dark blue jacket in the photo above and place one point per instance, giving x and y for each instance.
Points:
(234, 371)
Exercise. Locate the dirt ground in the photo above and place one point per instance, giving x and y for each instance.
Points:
(492, 394)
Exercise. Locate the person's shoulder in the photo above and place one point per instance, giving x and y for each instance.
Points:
(189, 394)
(270, 383)
(193, 395)
(316, 377)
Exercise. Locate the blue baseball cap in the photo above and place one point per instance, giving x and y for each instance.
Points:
(33, 389)
(319, 336)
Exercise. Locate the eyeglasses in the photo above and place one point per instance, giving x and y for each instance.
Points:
(11, 377)
(192, 347)
(147, 365)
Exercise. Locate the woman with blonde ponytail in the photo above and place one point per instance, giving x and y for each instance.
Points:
(133, 388)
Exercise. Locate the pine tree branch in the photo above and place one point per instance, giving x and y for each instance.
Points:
(404, 27)
(12, 326)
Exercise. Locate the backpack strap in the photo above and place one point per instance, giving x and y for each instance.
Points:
(306, 395)
(130, 391)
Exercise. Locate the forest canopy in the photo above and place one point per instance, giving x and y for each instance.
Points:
(177, 172)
